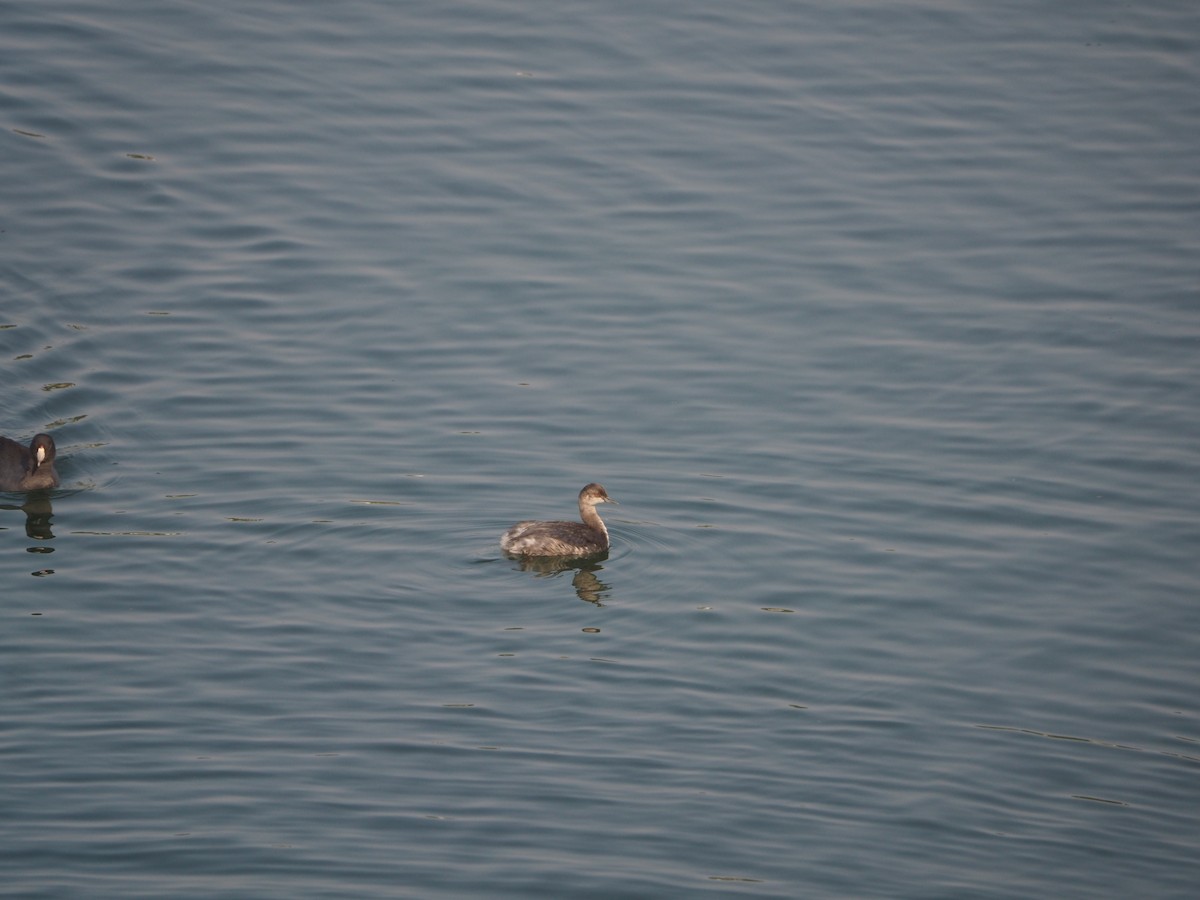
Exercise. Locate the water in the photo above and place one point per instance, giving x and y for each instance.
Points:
(878, 319)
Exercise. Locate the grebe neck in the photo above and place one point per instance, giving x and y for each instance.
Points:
(591, 518)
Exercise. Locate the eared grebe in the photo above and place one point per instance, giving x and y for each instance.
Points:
(562, 538)
(27, 469)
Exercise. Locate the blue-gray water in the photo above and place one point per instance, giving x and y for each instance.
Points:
(880, 319)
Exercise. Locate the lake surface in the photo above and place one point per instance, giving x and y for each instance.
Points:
(881, 321)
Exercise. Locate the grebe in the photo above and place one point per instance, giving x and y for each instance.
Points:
(562, 538)
(27, 469)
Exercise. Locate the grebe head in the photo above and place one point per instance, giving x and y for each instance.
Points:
(593, 494)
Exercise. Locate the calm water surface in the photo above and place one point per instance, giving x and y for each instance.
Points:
(879, 319)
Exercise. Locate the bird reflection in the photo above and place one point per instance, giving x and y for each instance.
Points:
(587, 584)
(38, 516)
